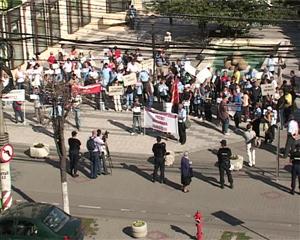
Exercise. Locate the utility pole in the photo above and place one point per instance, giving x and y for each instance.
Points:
(6, 197)
(152, 20)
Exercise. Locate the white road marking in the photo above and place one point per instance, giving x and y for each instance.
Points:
(143, 211)
(187, 215)
(55, 204)
(125, 210)
(19, 200)
(87, 206)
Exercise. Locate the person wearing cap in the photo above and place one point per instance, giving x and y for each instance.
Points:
(224, 155)
(74, 148)
(186, 172)
(295, 160)
(292, 135)
(159, 151)
(250, 137)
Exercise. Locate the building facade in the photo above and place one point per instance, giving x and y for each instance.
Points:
(34, 25)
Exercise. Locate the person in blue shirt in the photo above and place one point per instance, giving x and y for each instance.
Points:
(106, 75)
(237, 99)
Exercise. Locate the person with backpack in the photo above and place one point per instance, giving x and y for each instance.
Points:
(94, 154)
(224, 155)
(159, 151)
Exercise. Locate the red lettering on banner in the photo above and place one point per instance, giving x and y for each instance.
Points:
(159, 128)
(160, 122)
(160, 117)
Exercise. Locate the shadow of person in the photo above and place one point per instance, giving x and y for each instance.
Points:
(210, 180)
(180, 230)
(268, 181)
(120, 125)
(41, 129)
(207, 125)
(172, 184)
(268, 147)
(138, 171)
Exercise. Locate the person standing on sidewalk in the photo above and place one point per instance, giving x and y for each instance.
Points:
(17, 107)
(224, 155)
(159, 151)
(292, 134)
(181, 124)
(250, 137)
(94, 154)
(137, 114)
(76, 102)
(223, 115)
(295, 160)
(186, 172)
(74, 149)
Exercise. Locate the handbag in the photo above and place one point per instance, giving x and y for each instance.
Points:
(187, 123)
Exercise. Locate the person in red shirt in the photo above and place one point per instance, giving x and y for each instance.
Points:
(17, 106)
(51, 59)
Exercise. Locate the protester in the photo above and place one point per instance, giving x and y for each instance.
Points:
(137, 114)
(94, 155)
(182, 117)
(292, 135)
(223, 115)
(250, 139)
(17, 107)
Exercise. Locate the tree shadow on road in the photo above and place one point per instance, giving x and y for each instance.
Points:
(208, 125)
(120, 125)
(22, 194)
(41, 129)
(180, 230)
(268, 181)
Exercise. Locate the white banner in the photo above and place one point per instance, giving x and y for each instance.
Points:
(161, 121)
(203, 75)
(129, 79)
(14, 95)
(190, 69)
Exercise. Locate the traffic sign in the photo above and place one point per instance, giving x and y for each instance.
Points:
(6, 153)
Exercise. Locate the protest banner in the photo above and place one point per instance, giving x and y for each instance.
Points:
(147, 65)
(14, 95)
(203, 75)
(89, 89)
(129, 79)
(115, 90)
(267, 89)
(232, 108)
(190, 69)
(161, 121)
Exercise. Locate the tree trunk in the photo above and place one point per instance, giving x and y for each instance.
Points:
(59, 138)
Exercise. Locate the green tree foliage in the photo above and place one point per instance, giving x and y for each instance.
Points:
(230, 14)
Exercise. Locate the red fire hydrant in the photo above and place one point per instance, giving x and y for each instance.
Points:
(198, 219)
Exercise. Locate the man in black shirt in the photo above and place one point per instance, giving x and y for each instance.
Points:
(74, 148)
(295, 159)
(224, 155)
(159, 151)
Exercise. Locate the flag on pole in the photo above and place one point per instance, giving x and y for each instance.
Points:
(175, 92)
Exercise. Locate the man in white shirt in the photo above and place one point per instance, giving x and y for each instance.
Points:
(132, 67)
(68, 69)
(250, 137)
(292, 135)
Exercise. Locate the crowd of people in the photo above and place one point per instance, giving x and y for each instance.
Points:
(235, 94)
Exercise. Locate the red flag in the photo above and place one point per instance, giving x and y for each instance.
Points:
(89, 89)
(175, 92)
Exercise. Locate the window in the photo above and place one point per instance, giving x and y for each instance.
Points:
(73, 15)
(25, 228)
(56, 219)
(54, 22)
(113, 6)
(6, 228)
(14, 32)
